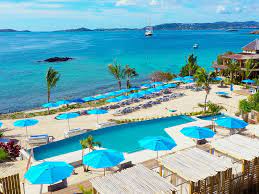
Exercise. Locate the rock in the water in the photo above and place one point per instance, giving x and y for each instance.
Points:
(255, 32)
(57, 59)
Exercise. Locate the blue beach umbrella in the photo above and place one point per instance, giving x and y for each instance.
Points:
(50, 105)
(111, 94)
(63, 102)
(217, 79)
(122, 97)
(113, 100)
(171, 85)
(157, 143)
(103, 158)
(136, 95)
(25, 123)
(153, 90)
(100, 97)
(197, 132)
(178, 79)
(134, 88)
(67, 116)
(162, 87)
(188, 77)
(231, 123)
(248, 81)
(78, 100)
(157, 83)
(145, 92)
(48, 172)
(89, 99)
(188, 81)
(97, 112)
(1, 124)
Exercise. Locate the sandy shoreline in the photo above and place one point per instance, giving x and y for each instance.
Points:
(188, 103)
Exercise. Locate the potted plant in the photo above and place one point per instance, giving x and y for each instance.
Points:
(245, 108)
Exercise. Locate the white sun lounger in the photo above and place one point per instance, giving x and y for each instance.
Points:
(105, 124)
(38, 139)
(74, 132)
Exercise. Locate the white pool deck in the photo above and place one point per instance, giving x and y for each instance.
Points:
(182, 142)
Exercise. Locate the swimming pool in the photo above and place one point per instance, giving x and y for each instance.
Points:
(210, 117)
(123, 138)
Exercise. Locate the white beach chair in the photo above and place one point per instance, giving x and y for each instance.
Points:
(38, 139)
(74, 132)
(105, 124)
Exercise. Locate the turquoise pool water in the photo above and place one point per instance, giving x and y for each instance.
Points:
(210, 117)
(123, 138)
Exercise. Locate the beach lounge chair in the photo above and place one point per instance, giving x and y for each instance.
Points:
(38, 139)
(105, 124)
(74, 132)
(125, 165)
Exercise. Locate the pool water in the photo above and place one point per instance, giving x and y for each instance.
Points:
(210, 117)
(123, 138)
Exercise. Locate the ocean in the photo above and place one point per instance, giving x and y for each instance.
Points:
(22, 77)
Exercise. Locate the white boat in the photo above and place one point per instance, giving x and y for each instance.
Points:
(195, 46)
(149, 31)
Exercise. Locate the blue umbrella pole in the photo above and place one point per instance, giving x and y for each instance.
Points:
(26, 132)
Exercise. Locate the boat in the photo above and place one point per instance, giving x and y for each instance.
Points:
(149, 31)
(231, 30)
(195, 46)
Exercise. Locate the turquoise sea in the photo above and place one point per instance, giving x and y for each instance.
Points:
(22, 78)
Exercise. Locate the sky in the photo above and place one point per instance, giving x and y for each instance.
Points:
(45, 15)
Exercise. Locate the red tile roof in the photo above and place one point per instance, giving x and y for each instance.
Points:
(241, 56)
(252, 46)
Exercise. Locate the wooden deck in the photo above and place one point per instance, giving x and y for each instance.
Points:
(72, 189)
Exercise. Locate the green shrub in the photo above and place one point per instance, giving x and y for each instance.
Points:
(3, 155)
(244, 106)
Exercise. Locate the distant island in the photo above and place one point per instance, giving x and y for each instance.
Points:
(12, 30)
(74, 30)
(170, 26)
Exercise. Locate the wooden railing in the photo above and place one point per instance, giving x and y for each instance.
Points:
(10, 185)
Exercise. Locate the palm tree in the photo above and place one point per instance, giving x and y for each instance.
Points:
(203, 79)
(129, 73)
(117, 71)
(192, 64)
(52, 78)
(250, 65)
(90, 144)
(232, 68)
(215, 109)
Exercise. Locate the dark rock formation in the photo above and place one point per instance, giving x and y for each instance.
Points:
(57, 59)
(255, 32)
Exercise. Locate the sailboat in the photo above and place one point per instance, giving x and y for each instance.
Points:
(149, 31)
(195, 46)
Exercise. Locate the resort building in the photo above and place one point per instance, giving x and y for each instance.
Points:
(249, 51)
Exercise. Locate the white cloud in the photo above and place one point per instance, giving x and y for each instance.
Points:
(222, 9)
(154, 2)
(125, 2)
